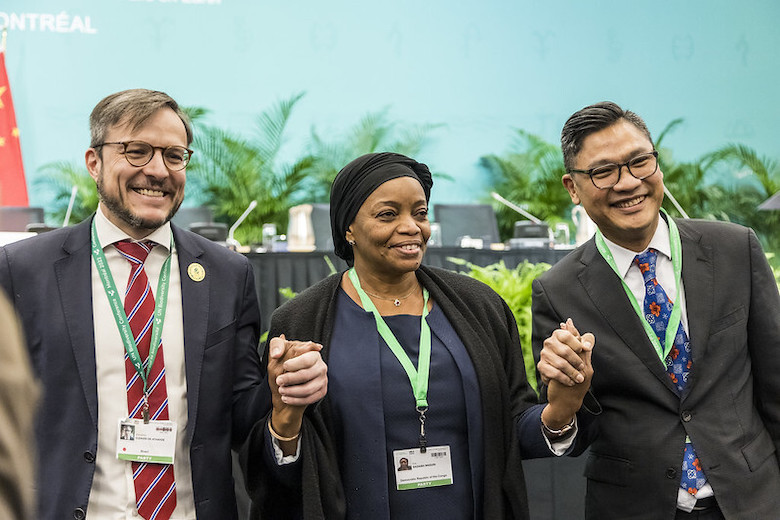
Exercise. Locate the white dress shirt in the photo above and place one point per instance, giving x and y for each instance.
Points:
(112, 496)
(664, 273)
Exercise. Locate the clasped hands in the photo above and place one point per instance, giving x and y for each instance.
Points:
(565, 367)
(298, 377)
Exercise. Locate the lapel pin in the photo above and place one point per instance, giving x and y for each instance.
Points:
(196, 272)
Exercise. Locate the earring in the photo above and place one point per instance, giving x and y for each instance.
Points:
(351, 242)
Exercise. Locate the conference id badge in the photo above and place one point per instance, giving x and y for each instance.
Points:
(138, 441)
(415, 470)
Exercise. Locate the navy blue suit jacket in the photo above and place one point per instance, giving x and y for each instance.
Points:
(48, 278)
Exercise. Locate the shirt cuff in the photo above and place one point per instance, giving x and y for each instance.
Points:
(559, 447)
(281, 458)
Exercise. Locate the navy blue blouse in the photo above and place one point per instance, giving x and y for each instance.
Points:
(367, 384)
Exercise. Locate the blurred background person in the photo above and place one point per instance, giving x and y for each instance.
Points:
(18, 397)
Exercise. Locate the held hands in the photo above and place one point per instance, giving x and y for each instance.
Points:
(298, 377)
(565, 367)
(297, 374)
(565, 356)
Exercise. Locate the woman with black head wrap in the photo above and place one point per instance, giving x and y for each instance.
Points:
(424, 365)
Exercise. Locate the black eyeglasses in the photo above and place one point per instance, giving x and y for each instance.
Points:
(140, 153)
(607, 175)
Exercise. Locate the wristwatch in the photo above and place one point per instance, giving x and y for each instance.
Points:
(565, 430)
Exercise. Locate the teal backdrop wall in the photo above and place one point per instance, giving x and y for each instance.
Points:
(481, 69)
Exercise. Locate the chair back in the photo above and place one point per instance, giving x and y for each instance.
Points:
(466, 220)
(16, 218)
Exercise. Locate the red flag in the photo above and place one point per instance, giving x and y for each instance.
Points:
(13, 188)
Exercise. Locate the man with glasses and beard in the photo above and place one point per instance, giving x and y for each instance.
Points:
(686, 316)
(133, 321)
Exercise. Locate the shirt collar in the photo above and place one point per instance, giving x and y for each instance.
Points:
(108, 233)
(624, 258)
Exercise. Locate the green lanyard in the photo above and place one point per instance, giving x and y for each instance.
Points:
(417, 377)
(120, 317)
(674, 318)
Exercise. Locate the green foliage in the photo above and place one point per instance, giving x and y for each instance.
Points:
(775, 265)
(529, 175)
(514, 286)
(687, 181)
(373, 133)
(728, 183)
(287, 293)
(229, 171)
(60, 178)
(753, 180)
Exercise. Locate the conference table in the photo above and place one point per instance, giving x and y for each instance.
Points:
(556, 486)
(297, 271)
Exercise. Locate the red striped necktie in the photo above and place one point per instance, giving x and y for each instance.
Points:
(155, 486)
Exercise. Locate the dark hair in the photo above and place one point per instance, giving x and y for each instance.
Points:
(132, 107)
(592, 119)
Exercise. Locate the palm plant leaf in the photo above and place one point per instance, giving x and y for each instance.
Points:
(195, 114)
(764, 169)
(271, 124)
(61, 177)
(674, 123)
(751, 179)
(230, 171)
(529, 174)
(374, 132)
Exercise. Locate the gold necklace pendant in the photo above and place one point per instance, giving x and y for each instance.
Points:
(396, 301)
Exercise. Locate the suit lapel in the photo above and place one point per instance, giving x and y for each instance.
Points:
(195, 310)
(698, 282)
(74, 279)
(608, 296)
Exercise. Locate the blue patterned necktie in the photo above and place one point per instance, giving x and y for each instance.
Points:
(657, 309)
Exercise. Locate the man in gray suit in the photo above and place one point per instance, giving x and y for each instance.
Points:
(686, 315)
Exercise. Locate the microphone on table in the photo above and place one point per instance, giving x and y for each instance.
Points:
(515, 207)
(675, 203)
(232, 242)
(534, 234)
(73, 192)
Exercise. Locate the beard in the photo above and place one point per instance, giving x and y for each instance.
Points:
(116, 206)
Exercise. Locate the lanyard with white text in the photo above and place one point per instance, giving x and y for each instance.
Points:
(674, 318)
(417, 377)
(121, 319)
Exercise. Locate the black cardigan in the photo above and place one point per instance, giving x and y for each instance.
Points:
(487, 328)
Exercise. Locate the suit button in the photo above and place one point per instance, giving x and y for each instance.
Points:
(686, 416)
(89, 456)
(79, 514)
(671, 473)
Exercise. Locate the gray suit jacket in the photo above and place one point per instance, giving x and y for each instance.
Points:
(731, 406)
(48, 278)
